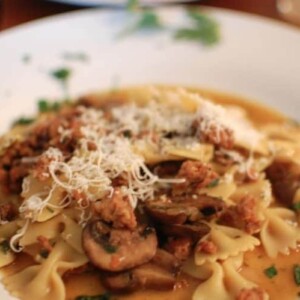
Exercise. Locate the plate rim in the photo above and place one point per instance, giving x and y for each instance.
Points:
(98, 10)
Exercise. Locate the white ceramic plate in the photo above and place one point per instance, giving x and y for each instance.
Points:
(117, 2)
(257, 58)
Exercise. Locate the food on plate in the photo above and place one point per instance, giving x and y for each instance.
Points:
(159, 192)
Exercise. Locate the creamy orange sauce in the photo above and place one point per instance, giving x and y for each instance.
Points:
(90, 284)
(281, 287)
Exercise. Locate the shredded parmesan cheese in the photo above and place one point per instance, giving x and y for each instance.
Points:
(104, 152)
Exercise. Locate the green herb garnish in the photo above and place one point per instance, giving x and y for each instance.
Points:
(43, 105)
(62, 74)
(271, 272)
(296, 271)
(4, 246)
(46, 106)
(105, 296)
(213, 183)
(44, 253)
(109, 248)
(296, 206)
(127, 134)
(23, 121)
(203, 29)
(147, 20)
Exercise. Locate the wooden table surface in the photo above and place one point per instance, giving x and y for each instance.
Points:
(14, 12)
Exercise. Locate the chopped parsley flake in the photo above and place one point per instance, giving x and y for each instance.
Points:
(127, 134)
(62, 74)
(44, 253)
(271, 272)
(23, 121)
(46, 106)
(147, 20)
(4, 246)
(213, 183)
(109, 248)
(296, 271)
(105, 296)
(203, 29)
(296, 206)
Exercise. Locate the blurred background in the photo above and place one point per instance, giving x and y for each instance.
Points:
(14, 12)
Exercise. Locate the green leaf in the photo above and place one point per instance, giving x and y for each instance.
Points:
(105, 296)
(127, 134)
(23, 121)
(44, 253)
(4, 246)
(109, 248)
(213, 183)
(296, 206)
(147, 20)
(296, 271)
(46, 106)
(43, 105)
(62, 74)
(204, 29)
(271, 272)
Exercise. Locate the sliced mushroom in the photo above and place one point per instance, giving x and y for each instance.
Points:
(207, 205)
(194, 231)
(149, 276)
(166, 260)
(118, 249)
(172, 213)
(184, 209)
(285, 179)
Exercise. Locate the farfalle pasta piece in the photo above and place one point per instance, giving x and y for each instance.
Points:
(60, 226)
(49, 229)
(214, 287)
(222, 190)
(48, 201)
(221, 281)
(196, 151)
(44, 281)
(228, 242)
(72, 233)
(261, 190)
(280, 232)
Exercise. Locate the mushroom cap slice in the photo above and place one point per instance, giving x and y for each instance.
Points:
(194, 231)
(118, 249)
(285, 179)
(148, 276)
(184, 209)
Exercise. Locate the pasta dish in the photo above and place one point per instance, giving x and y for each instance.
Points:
(151, 193)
